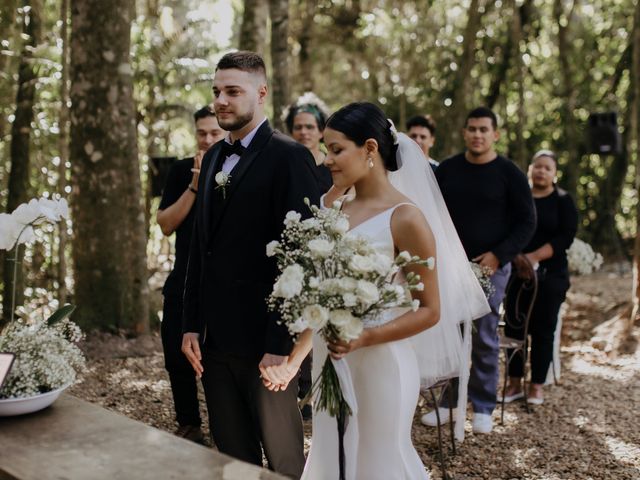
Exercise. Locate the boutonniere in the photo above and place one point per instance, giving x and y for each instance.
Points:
(223, 179)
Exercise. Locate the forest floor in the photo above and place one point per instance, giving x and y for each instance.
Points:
(588, 427)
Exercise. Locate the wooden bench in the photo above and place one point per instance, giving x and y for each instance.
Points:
(74, 439)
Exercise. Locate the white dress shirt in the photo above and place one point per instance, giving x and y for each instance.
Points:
(232, 160)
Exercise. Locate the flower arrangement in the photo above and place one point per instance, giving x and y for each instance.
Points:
(334, 283)
(47, 356)
(483, 274)
(582, 259)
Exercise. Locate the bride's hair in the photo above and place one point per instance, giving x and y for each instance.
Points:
(361, 121)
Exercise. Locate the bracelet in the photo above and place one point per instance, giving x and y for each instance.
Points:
(193, 190)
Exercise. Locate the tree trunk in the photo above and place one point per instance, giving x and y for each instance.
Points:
(306, 40)
(20, 140)
(109, 249)
(635, 85)
(461, 92)
(64, 150)
(519, 154)
(279, 13)
(571, 171)
(7, 31)
(253, 33)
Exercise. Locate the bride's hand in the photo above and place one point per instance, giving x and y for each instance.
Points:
(339, 348)
(277, 375)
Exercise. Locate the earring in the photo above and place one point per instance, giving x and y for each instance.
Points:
(370, 161)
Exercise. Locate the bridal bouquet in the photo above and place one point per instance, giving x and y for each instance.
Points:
(582, 259)
(334, 283)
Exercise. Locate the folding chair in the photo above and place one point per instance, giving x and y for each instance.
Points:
(429, 393)
(519, 321)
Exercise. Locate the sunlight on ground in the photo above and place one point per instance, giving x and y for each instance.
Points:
(606, 372)
(623, 451)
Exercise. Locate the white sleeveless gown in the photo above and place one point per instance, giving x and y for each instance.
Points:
(386, 382)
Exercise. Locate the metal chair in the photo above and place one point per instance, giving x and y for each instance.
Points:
(430, 393)
(519, 321)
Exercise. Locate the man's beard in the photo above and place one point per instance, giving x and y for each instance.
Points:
(236, 124)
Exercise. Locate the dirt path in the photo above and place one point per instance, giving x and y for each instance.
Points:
(588, 427)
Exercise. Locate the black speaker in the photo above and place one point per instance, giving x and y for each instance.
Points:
(158, 171)
(603, 136)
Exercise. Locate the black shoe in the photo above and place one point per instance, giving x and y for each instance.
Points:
(190, 432)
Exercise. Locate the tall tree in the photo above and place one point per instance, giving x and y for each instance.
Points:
(253, 33)
(20, 140)
(109, 248)
(63, 147)
(635, 85)
(569, 92)
(305, 39)
(461, 91)
(279, 13)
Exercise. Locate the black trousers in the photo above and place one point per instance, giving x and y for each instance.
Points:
(181, 374)
(245, 417)
(552, 290)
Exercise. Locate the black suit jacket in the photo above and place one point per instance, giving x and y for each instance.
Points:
(229, 275)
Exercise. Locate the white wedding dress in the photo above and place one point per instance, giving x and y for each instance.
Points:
(386, 384)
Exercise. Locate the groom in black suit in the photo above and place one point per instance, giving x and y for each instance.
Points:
(229, 332)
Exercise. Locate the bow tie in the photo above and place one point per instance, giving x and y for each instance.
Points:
(229, 149)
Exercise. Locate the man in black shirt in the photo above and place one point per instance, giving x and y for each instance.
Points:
(491, 206)
(176, 214)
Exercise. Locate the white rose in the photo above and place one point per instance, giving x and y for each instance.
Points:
(419, 287)
(415, 304)
(330, 286)
(221, 178)
(320, 247)
(431, 262)
(314, 282)
(382, 264)
(272, 247)
(290, 282)
(292, 217)
(349, 299)
(315, 316)
(340, 318)
(310, 223)
(298, 326)
(347, 284)
(340, 226)
(367, 292)
(352, 329)
(360, 263)
(403, 257)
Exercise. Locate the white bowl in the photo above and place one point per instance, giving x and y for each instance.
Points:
(10, 407)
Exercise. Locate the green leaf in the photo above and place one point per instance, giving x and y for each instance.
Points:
(60, 314)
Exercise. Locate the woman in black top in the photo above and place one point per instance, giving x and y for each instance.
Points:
(557, 222)
(305, 121)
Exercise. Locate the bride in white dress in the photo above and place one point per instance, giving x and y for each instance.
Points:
(386, 365)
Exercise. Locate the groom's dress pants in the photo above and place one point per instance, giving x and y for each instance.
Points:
(485, 350)
(245, 417)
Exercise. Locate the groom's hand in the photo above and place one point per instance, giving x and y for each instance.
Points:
(191, 349)
(275, 371)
